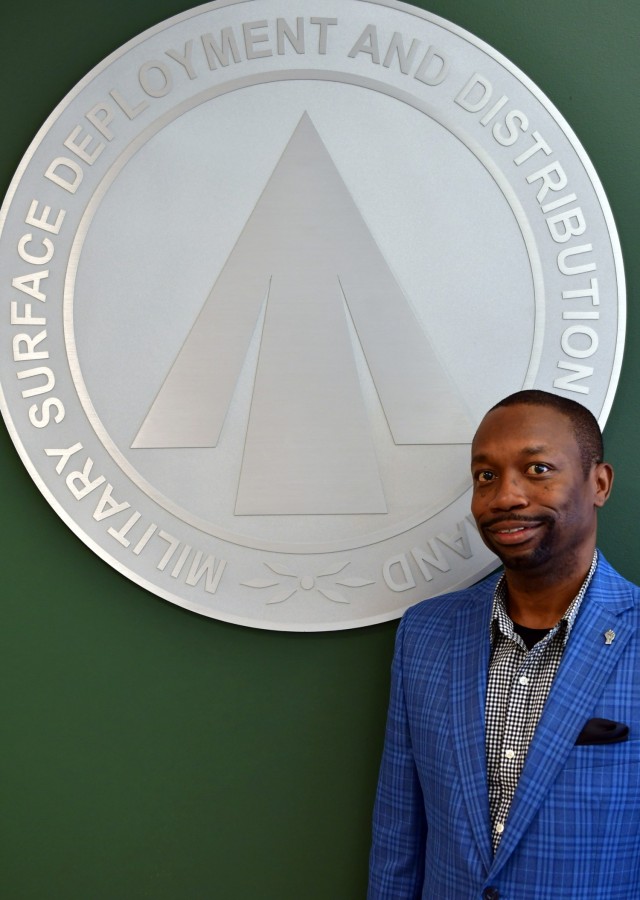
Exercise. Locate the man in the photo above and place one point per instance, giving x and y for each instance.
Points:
(511, 766)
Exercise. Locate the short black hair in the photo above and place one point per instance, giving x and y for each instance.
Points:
(585, 425)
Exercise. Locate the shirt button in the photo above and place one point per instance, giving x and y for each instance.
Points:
(523, 679)
(509, 754)
(499, 827)
(491, 893)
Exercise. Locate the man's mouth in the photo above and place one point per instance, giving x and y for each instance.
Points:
(509, 533)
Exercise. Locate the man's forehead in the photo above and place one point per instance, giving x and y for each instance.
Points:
(536, 426)
(526, 450)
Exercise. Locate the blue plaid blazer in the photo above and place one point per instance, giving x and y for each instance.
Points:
(573, 831)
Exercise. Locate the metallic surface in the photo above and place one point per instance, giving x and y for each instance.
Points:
(291, 256)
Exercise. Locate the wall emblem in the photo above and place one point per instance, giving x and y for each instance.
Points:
(264, 269)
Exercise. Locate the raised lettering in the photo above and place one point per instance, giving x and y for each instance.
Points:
(579, 352)
(65, 456)
(576, 372)
(153, 85)
(323, 25)
(367, 43)
(80, 149)
(566, 225)
(184, 59)
(29, 343)
(30, 258)
(62, 164)
(220, 53)
(107, 506)
(251, 39)
(401, 580)
(564, 255)
(80, 483)
(548, 183)
(43, 388)
(295, 39)
(30, 284)
(41, 220)
(40, 418)
(212, 574)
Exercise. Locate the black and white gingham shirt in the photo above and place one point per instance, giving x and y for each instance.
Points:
(518, 685)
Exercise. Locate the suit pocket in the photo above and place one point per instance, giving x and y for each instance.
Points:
(590, 756)
(600, 785)
(592, 814)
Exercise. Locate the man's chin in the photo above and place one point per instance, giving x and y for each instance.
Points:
(522, 563)
(522, 559)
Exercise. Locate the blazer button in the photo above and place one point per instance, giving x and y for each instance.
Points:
(491, 893)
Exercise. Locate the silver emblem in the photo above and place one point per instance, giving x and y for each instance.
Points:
(258, 268)
(609, 636)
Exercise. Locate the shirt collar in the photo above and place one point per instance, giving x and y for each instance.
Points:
(500, 621)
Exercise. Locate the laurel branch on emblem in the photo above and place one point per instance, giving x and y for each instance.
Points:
(306, 583)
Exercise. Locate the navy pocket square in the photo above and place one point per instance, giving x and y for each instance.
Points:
(603, 731)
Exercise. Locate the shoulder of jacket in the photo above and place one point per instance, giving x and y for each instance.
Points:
(612, 589)
(446, 606)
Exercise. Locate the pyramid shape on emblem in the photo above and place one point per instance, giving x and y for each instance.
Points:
(307, 252)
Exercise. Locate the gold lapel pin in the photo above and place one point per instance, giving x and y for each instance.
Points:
(609, 636)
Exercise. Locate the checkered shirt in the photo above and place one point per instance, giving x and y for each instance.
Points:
(518, 685)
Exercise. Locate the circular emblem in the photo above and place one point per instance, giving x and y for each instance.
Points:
(265, 271)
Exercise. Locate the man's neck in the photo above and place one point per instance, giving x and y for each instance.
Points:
(539, 599)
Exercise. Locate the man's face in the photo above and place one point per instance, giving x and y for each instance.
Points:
(532, 502)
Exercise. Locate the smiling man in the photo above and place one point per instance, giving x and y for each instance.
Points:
(511, 766)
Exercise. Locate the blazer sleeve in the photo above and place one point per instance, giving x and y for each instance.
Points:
(399, 825)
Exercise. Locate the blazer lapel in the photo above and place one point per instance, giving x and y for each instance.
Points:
(469, 666)
(586, 666)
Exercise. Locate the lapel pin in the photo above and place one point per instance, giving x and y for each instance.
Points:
(609, 636)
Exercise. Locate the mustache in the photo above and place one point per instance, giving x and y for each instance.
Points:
(514, 518)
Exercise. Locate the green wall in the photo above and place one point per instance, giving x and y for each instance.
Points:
(149, 752)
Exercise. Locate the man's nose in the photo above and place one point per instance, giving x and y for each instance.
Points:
(510, 493)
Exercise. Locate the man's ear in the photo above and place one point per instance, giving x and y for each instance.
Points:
(603, 481)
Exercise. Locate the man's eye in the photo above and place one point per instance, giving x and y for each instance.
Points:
(484, 477)
(538, 469)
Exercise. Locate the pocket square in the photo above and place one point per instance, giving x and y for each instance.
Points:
(603, 731)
